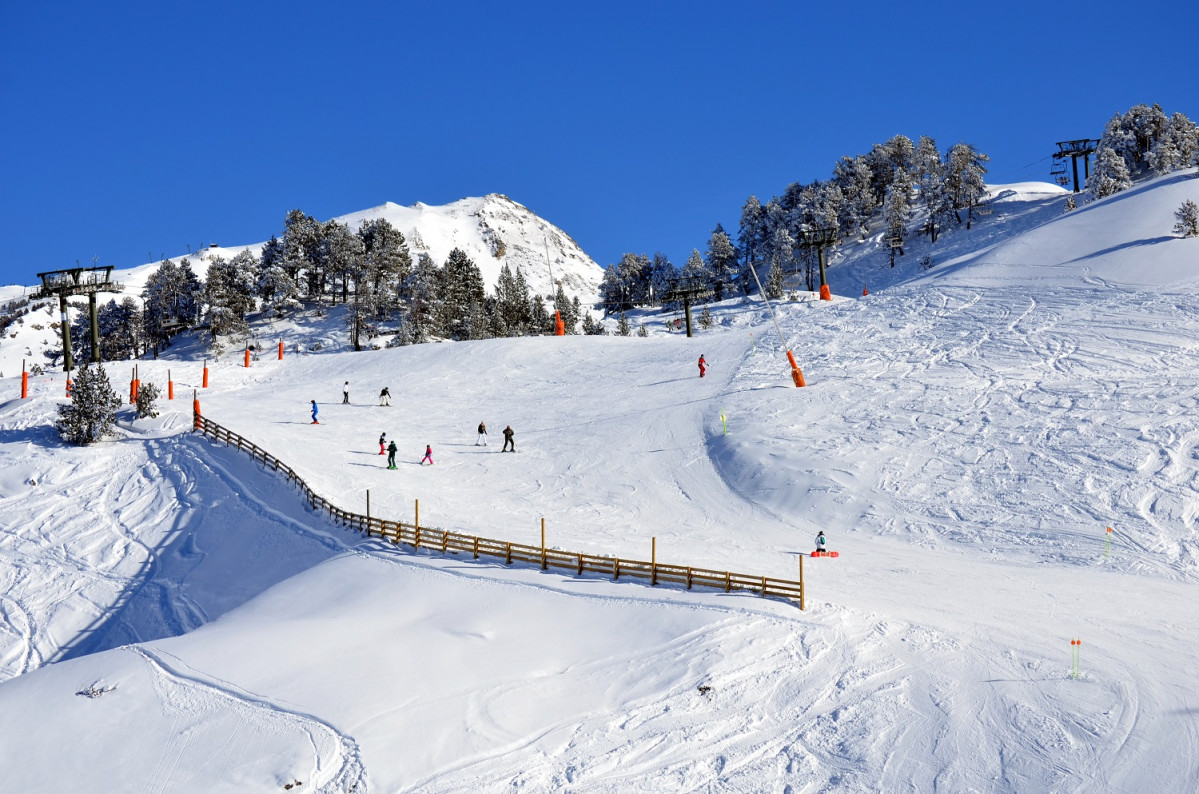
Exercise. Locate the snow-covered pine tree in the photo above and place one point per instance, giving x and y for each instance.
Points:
(662, 273)
(1188, 219)
(276, 283)
(388, 261)
(147, 393)
(751, 235)
(591, 326)
(1177, 146)
(301, 243)
(622, 326)
(1110, 174)
(896, 212)
(229, 293)
(634, 272)
(721, 260)
(695, 271)
(1070, 205)
(931, 185)
(539, 318)
(91, 413)
(774, 281)
(122, 333)
(965, 179)
(852, 176)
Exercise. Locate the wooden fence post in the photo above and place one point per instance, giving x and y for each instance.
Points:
(416, 526)
(543, 543)
(801, 587)
(653, 561)
(368, 512)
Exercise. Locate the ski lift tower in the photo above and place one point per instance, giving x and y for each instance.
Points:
(820, 239)
(1083, 148)
(87, 281)
(686, 290)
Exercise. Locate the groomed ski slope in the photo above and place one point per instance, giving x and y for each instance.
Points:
(963, 441)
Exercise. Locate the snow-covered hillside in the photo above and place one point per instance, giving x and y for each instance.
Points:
(965, 440)
(493, 231)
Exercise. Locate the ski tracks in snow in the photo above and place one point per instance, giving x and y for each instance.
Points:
(202, 703)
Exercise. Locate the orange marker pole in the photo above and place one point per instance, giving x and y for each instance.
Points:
(70, 385)
(133, 386)
(796, 375)
(170, 386)
(195, 409)
(24, 381)
(205, 373)
(280, 349)
(247, 357)
(825, 293)
(864, 292)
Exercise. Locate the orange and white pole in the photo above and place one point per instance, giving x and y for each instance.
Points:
(205, 383)
(170, 386)
(24, 381)
(280, 349)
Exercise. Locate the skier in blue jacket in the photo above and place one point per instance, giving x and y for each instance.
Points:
(314, 413)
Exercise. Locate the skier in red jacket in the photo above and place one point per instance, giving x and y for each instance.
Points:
(703, 366)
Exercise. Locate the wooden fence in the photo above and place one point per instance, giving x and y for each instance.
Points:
(419, 537)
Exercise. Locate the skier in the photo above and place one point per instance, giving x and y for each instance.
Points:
(345, 394)
(482, 435)
(508, 433)
(820, 542)
(314, 413)
(391, 454)
(385, 396)
(428, 455)
(703, 366)
(382, 443)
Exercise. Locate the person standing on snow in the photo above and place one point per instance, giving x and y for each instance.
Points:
(428, 455)
(703, 366)
(382, 443)
(314, 413)
(391, 454)
(508, 433)
(345, 394)
(385, 396)
(482, 435)
(820, 542)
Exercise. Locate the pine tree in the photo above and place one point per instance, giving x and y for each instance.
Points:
(774, 281)
(592, 327)
(896, 211)
(852, 175)
(721, 260)
(92, 411)
(462, 291)
(965, 179)
(147, 393)
(662, 274)
(1110, 174)
(510, 312)
(229, 294)
(424, 305)
(1177, 146)
(931, 185)
(301, 243)
(1188, 219)
(276, 284)
(622, 326)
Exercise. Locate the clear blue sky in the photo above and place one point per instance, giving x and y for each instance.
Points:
(133, 130)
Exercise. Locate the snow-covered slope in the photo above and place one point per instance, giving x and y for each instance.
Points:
(964, 441)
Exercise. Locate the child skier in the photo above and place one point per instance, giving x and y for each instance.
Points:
(382, 443)
(345, 394)
(314, 413)
(703, 365)
(482, 435)
(428, 455)
(820, 542)
(391, 454)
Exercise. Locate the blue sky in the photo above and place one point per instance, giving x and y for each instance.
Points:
(129, 131)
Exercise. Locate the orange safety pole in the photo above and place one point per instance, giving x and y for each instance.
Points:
(133, 384)
(280, 349)
(247, 357)
(196, 409)
(796, 375)
(825, 293)
(170, 386)
(70, 385)
(205, 373)
(24, 381)
(864, 292)
(559, 326)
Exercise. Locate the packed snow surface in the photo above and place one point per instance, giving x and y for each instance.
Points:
(173, 617)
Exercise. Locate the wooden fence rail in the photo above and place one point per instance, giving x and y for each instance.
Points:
(421, 537)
